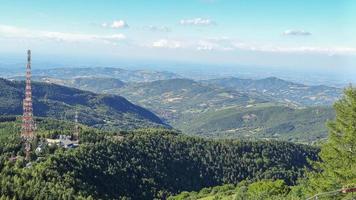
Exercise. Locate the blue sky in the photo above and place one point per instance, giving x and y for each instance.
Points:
(301, 33)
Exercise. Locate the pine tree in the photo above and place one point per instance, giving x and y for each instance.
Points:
(338, 166)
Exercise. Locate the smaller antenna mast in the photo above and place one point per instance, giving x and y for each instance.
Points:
(76, 127)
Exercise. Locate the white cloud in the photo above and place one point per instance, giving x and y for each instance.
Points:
(159, 28)
(221, 44)
(296, 33)
(310, 49)
(226, 44)
(15, 32)
(197, 22)
(169, 44)
(117, 24)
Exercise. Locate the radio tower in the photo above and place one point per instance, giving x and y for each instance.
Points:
(28, 124)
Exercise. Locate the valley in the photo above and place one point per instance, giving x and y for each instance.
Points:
(269, 108)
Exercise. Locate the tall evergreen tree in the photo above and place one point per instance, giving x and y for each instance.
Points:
(338, 166)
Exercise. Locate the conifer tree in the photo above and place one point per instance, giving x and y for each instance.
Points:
(338, 155)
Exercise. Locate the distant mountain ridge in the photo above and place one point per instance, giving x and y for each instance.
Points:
(104, 79)
(92, 84)
(281, 90)
(106, 72)
(60, 102)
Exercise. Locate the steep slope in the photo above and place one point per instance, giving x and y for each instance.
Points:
(263, 121)
(101, 111)
(281, 90)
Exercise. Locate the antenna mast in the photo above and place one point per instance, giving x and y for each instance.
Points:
(76, 133)
(28, 124)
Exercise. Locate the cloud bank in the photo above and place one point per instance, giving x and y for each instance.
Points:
(193, 44)
(197, 22)
(22, 33)
(227, 44)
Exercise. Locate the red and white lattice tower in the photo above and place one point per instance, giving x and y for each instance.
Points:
(28, 124)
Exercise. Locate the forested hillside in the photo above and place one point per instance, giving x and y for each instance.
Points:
(143, 164)
(59, 102)
(263, 121)
(331, 177)
(259, 190)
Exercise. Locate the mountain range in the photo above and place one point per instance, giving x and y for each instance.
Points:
(232, 107)
(102, 79)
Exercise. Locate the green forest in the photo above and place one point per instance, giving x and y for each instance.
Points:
(335, 168)
(146, 164)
